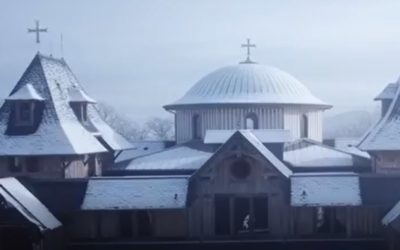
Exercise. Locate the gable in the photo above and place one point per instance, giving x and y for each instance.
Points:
(243, 145)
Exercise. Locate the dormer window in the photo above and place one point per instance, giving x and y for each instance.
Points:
(24, 113)
(80, 110)
(26, 106)
(79, 101)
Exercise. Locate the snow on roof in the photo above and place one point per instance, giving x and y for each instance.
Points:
(389, 92)
(264, 135)
(141, 148)
(392, 215)
(385, 135)
(248, 84)
(325, 189)
(181, 157)
(27, 204)
(76, 94)
(25, 93)
(278, 164)
(59, 132)
(110, 136)
(136, 193)
(307, 153)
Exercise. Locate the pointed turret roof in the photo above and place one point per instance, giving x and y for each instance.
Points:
(385, 135)
(59, 131)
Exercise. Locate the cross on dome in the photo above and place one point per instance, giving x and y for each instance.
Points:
(248, 45)
(37, 30)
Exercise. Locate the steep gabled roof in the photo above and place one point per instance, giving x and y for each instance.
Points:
(248, 137)
(59, 132)
(385, 135)
(388, 93)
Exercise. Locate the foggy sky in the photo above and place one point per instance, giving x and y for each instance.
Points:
(140, 55)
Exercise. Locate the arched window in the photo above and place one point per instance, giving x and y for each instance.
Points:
(251, 121)
(196, 127)
(304, 126)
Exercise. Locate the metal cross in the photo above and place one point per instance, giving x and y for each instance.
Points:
(37, 30)
(248, 45)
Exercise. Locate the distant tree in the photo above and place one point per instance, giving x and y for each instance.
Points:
(160, 128)
(123, 125)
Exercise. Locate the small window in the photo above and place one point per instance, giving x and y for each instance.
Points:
(24, 113)
(14, 164)
(32, 164)
(251, 121)
(80, 110)
(196, 127)
(304, 126)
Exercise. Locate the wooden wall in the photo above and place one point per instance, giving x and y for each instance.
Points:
(53, 167)
(107, 225)
(386, 162)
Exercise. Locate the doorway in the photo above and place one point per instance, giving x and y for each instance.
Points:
(240, 215)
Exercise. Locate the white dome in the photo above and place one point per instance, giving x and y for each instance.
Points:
(248, 83)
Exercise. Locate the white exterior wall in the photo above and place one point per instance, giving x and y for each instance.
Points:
(225, 118)
(269, 117)
(292, 119)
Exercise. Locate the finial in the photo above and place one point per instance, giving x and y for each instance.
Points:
(37, 30)
(248, 45)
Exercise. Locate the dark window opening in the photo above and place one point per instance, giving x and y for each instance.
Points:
(80, 110)
(222, 215)
(92, 165)
(251, 121)
(327, 221)
(196, 127)
(14, 164)
(240, 169)
(125, 219)
(32, 164)
(145, 229)
(242, 215)
(24, 113)
(260, 207)
(304, 126)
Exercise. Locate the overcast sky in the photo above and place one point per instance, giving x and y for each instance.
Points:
(140, 55)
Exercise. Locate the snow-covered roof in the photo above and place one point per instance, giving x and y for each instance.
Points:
(76, 94)
(141, 148)
(325, 189)
(136, 193)
(248, 83)
(264, 135)
(27, 204)
(188, 156)
(308, 153)
(392, 215)
(268, 155)
(389, 92)
(59, 131)
(26, 93)
(385, 135)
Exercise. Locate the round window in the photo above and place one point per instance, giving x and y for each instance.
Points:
(240, 169)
